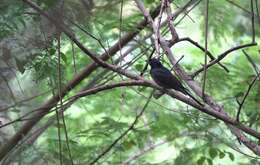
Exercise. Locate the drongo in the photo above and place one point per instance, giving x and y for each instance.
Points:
(164, 78)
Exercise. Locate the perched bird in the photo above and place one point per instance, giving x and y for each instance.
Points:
(164, 78)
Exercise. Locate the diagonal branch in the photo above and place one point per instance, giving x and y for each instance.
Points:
(251, 62)
(174, 34)
(203, 49)
(222, 56)
(154, 27)
(245, 95)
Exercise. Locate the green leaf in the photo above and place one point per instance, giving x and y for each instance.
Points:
(64, 58)
(141, 89)
(52, 51)
(210, 162)
(231, 156)
(221, 155)
(201, 160)
(139, 67)
(213, 152)
(129, 144)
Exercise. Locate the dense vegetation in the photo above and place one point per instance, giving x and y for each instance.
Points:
(71, 90)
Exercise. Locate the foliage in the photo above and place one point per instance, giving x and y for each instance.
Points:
(11, 17)
(94, 122)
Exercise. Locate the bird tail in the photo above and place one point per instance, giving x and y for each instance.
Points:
(197, 101)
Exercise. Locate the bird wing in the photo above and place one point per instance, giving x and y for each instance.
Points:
(166, 79)
(163, 77)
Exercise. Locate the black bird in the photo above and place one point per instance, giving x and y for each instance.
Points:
(163, 77)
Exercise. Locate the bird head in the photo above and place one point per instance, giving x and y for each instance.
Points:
(155, 63)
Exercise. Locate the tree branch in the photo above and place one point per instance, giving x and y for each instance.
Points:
(221, 56)
(203, 49)
(206, 49)
(251, 62)
(253, 21)
(245, 95)
(45, 108)
(216, 108)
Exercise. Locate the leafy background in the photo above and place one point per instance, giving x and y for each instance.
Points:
(179, 133)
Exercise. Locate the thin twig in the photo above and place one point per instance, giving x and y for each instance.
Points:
(93, 37)
(123, 134)
(157, 32)
(8, 86)
(23, 101)
(59, 89)
(170, 24)
(146, 64)
(61, 103)
(152, 25)
(15, 74)
(222, 56)
(253, 21)
(177, 62)
(203, 49)
(66, 135)
(206, 49)
(238, 6)
(186, 13)
(245, 96)
(251, 61)
(59, 136)
(73, 57)
(257, 11)
(143, 151)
